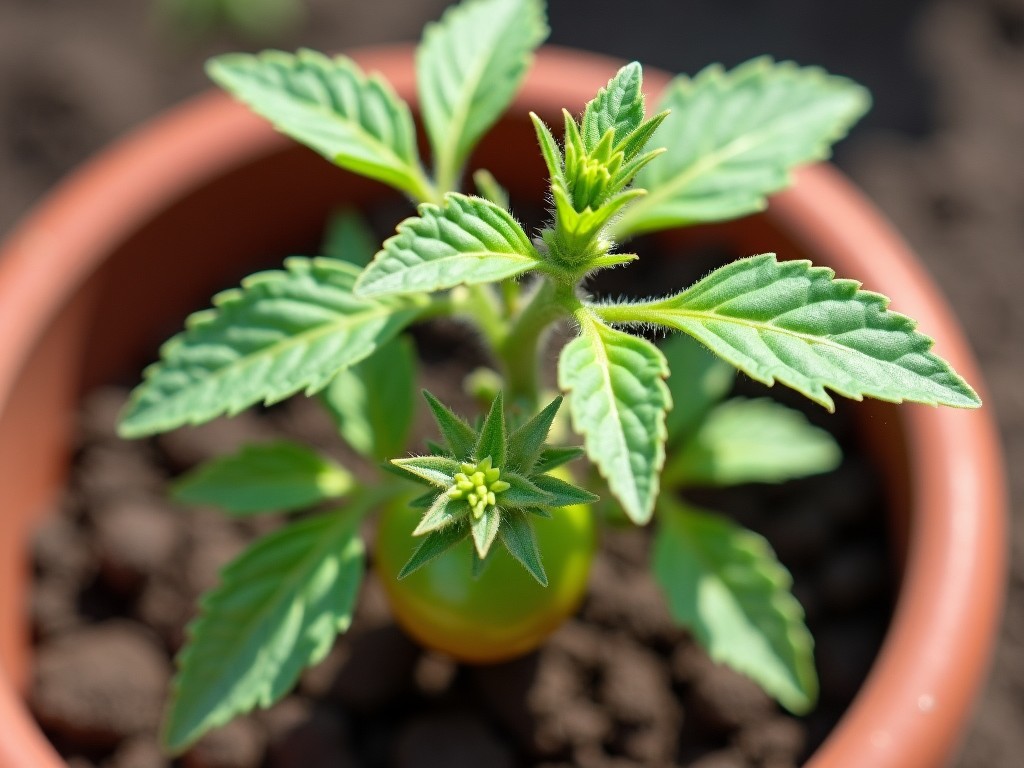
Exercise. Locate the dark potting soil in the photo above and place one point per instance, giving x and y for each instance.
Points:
(118, 570)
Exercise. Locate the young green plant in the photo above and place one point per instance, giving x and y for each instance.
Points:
(332, 326)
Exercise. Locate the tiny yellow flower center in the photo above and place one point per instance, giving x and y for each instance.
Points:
(479, 485)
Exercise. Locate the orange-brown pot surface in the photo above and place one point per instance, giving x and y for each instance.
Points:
(108, 265)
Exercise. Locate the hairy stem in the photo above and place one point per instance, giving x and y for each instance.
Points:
(520, 349)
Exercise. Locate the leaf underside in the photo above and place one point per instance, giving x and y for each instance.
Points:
(754, 441)
(698, 379)
(797, 324)
(281, 332)
(724, 583)
(618, 399)
(357, 122)
(264, 477)
(278, 609)
(373, 402)
(733, 138)
(469, 240)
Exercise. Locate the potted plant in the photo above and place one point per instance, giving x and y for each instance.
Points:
(570, 248)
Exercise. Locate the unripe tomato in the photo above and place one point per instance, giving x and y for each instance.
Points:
(500, 615)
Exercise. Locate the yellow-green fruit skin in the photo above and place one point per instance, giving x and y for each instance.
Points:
(502, 614)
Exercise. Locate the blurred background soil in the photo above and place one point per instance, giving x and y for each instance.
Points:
(941, 153)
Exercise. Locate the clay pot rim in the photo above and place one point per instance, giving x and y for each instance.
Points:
(913, 706)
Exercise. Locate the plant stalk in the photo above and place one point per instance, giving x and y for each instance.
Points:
(519, 351)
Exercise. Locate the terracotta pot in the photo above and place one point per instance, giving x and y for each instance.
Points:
(109, 264)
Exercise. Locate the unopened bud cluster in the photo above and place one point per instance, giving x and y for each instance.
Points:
(479, 485)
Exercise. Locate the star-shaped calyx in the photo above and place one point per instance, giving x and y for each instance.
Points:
(489, 483)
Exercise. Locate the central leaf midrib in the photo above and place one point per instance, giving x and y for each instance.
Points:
(761, 327)
(304, 337)
(594, 334)
(720, 156)
(470, 255)
(314, 557)
(362, 135)
(459, 115)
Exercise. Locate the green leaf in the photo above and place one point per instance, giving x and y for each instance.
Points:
(491, 441)
(265, 477)
(357, 122)
(724, 583)
(550, 458)
(791, 322)
(278, 609)
(618, 403)
(281, 332)
(434, 470)
(697, 380)
(348, 238)
(435, 544)
(479, 566)
(442, 512)
(549, 150)
(527, 442)
(468, 241)
(436, 449)
(485, 529)
(733, 138)
(618, 107)
(469, 66)
(461, 437)
(523, 492)
(488, 188)
(753, 441)
(373, 402)
(563, 494)
(424, 501)
(520, 540)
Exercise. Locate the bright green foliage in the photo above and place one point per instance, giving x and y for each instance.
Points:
(459, 438)
(527, 442)
(602, 155)
(697, 382)
(753, 441)
(348, 238)
(550, 458)
(619, 399)
(735, 136)
(278, 609)
(329, 105)
(488, 188)
(791, 322)
(618, 107)
(520, 539)
(265, 477)
(724, 583)
(436, 543)
(476, 490)
(330, 324)
(468, 241)
(491, 440)
(469, 67)
(281, 332)
(372, 402)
